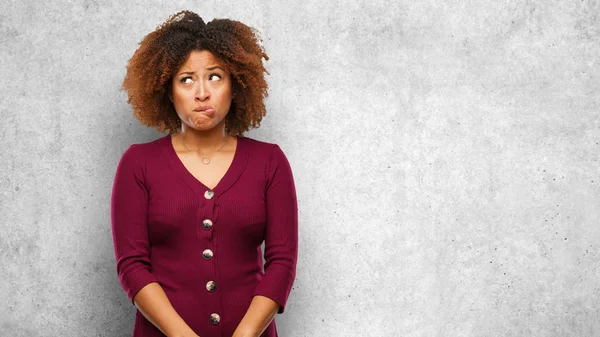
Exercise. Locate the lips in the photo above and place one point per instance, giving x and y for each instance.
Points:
(208, 110)
(204, 108)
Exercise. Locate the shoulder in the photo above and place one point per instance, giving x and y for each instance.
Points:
(256, 145)
(262, 149)
(137, 153)
(148, 147)
(269, 156)
(145, 149)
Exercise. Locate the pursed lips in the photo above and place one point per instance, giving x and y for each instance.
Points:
(208, 110)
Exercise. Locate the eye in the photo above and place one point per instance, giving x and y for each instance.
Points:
(186, 80)
(213, 75)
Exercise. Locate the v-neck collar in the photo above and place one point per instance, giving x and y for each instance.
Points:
(232, 174)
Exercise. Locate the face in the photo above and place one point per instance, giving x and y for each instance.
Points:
(202, 91)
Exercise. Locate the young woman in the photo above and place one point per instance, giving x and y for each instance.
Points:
(190, 210)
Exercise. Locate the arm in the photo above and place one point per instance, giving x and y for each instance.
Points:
(261, 312)
(281, 248)
(156, 307)
(129, 203)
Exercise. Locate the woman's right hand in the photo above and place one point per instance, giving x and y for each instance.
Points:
(154, 304)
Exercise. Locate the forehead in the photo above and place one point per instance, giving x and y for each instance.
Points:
(201, 59)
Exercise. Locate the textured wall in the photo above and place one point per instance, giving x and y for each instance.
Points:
(445, 155)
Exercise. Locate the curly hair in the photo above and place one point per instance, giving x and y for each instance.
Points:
(162, 52)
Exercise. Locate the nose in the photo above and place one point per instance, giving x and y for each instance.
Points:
(202, 92)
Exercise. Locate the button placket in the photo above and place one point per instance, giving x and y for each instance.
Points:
(207, 254)
(208, 214)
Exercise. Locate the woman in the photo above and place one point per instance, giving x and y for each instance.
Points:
(190, 210)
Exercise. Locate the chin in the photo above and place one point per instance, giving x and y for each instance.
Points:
(204, 126)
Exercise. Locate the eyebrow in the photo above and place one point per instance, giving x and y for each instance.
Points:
(193, 72)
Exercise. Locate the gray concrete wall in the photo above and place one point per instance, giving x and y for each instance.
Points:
(445, 155)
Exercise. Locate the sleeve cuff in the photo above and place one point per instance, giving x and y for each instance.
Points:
(277, 290)
(135, 280)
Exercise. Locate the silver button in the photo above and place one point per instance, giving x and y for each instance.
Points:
(215, 319)
(211, 286)
(209, 194)
(207, 254)
(207, 224)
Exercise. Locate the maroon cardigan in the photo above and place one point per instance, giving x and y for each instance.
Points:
(204, 247)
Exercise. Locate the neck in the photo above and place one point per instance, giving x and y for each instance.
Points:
(203, 140)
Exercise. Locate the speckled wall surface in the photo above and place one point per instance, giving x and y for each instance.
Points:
(445, 155)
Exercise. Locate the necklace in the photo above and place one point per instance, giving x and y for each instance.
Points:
(206, 160)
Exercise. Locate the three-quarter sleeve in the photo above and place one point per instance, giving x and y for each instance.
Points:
(129, 203)
(281, 233)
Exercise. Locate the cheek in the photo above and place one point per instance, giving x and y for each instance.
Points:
(225, 96)
(180, 98)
